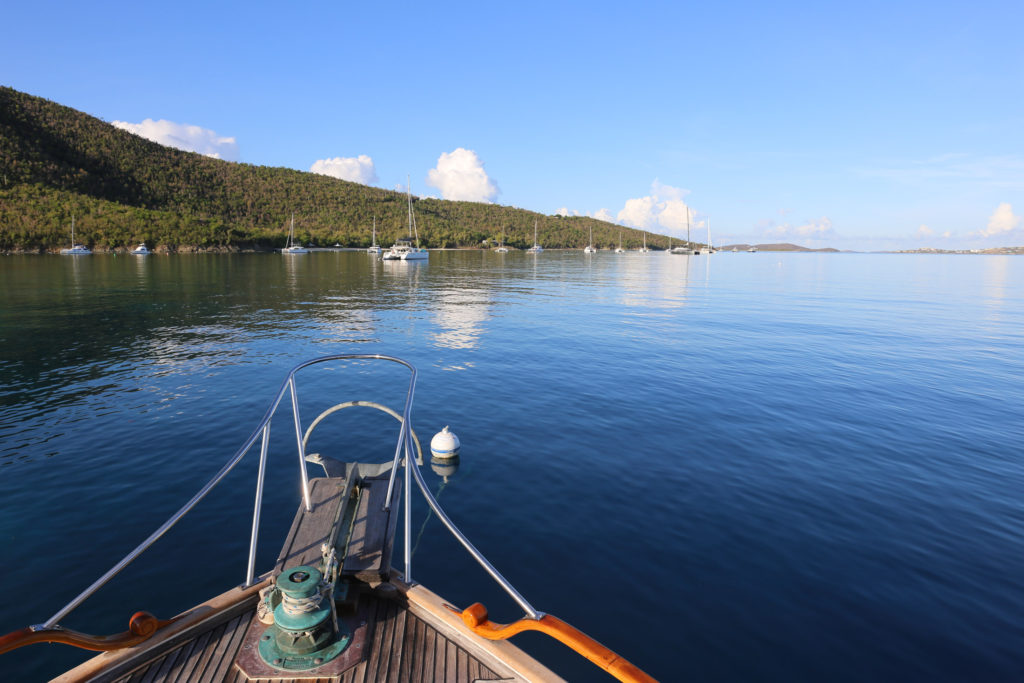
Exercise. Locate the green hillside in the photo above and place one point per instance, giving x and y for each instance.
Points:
(56, 162)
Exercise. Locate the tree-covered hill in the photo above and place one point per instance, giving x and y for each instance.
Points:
(56, 162)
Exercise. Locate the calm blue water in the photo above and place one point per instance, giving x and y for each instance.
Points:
(750, 467)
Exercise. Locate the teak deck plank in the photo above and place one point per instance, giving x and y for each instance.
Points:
(373, 531)
(403, 647)
(310, 529)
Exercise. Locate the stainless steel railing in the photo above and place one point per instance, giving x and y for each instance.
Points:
(262, 433)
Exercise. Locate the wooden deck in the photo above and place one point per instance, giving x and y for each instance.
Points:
(405, 633)
(403, 648)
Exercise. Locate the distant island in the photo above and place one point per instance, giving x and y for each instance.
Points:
(783, 246)
(992, 250)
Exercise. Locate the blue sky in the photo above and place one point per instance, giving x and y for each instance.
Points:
(856, 125)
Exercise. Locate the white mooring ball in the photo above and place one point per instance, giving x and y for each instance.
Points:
(444, 444)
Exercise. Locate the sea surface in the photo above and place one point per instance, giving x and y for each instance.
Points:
(742, 467)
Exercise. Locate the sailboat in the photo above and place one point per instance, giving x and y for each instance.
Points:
(589, 249)
(373, 248)
(536, 248)
(291, 247)
(620, 250)
(402, 249)
(501, 248)
(644, 249)
(687, 250)
(76, 249)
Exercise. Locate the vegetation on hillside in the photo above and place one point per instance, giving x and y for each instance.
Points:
(56, 162)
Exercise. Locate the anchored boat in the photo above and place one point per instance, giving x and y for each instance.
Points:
(332, 608)
(291, 247)
(76, 249)
(403, 249)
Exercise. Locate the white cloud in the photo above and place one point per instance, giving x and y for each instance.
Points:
(604, 215)
(185, 137)
(357, 169)
(819, 229)
(667, 192)
(924, 232)
(460, 176)
(639, 213)
(564, 211)
(663, 207)
(1001, 221)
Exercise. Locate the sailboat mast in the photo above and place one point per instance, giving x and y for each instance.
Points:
(412, 218)
(709, 233)
(688, 243)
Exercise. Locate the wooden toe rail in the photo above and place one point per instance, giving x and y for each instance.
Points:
(475, 617)
(141, 626)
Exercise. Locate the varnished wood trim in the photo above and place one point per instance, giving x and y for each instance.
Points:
(497, 655)
(120, 662)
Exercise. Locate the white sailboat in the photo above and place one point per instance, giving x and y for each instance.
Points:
(536, 248)
(374, 248)
(291, 247)
(644, 249)
(589, 249)
(687, 250)
(620, 250)
(141, 250)
(402, 249)
(76, 249)
(501, 248)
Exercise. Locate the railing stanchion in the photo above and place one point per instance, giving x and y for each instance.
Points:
(250, 573)
(298, 439)
(409, 463)
(406, 413)
(394, 466)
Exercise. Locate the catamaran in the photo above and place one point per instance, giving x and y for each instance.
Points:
(589, 249)
(332, 607)
(76, 249)
(644, 249)
(536, 248)
(501, 248)
(620, 250)
(291, 247)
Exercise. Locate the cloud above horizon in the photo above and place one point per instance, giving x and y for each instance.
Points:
(185, 137)
(663, 207)
(810, 230)
(819, 229)
(358, 169)
(1001, 221)
(460, 176)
